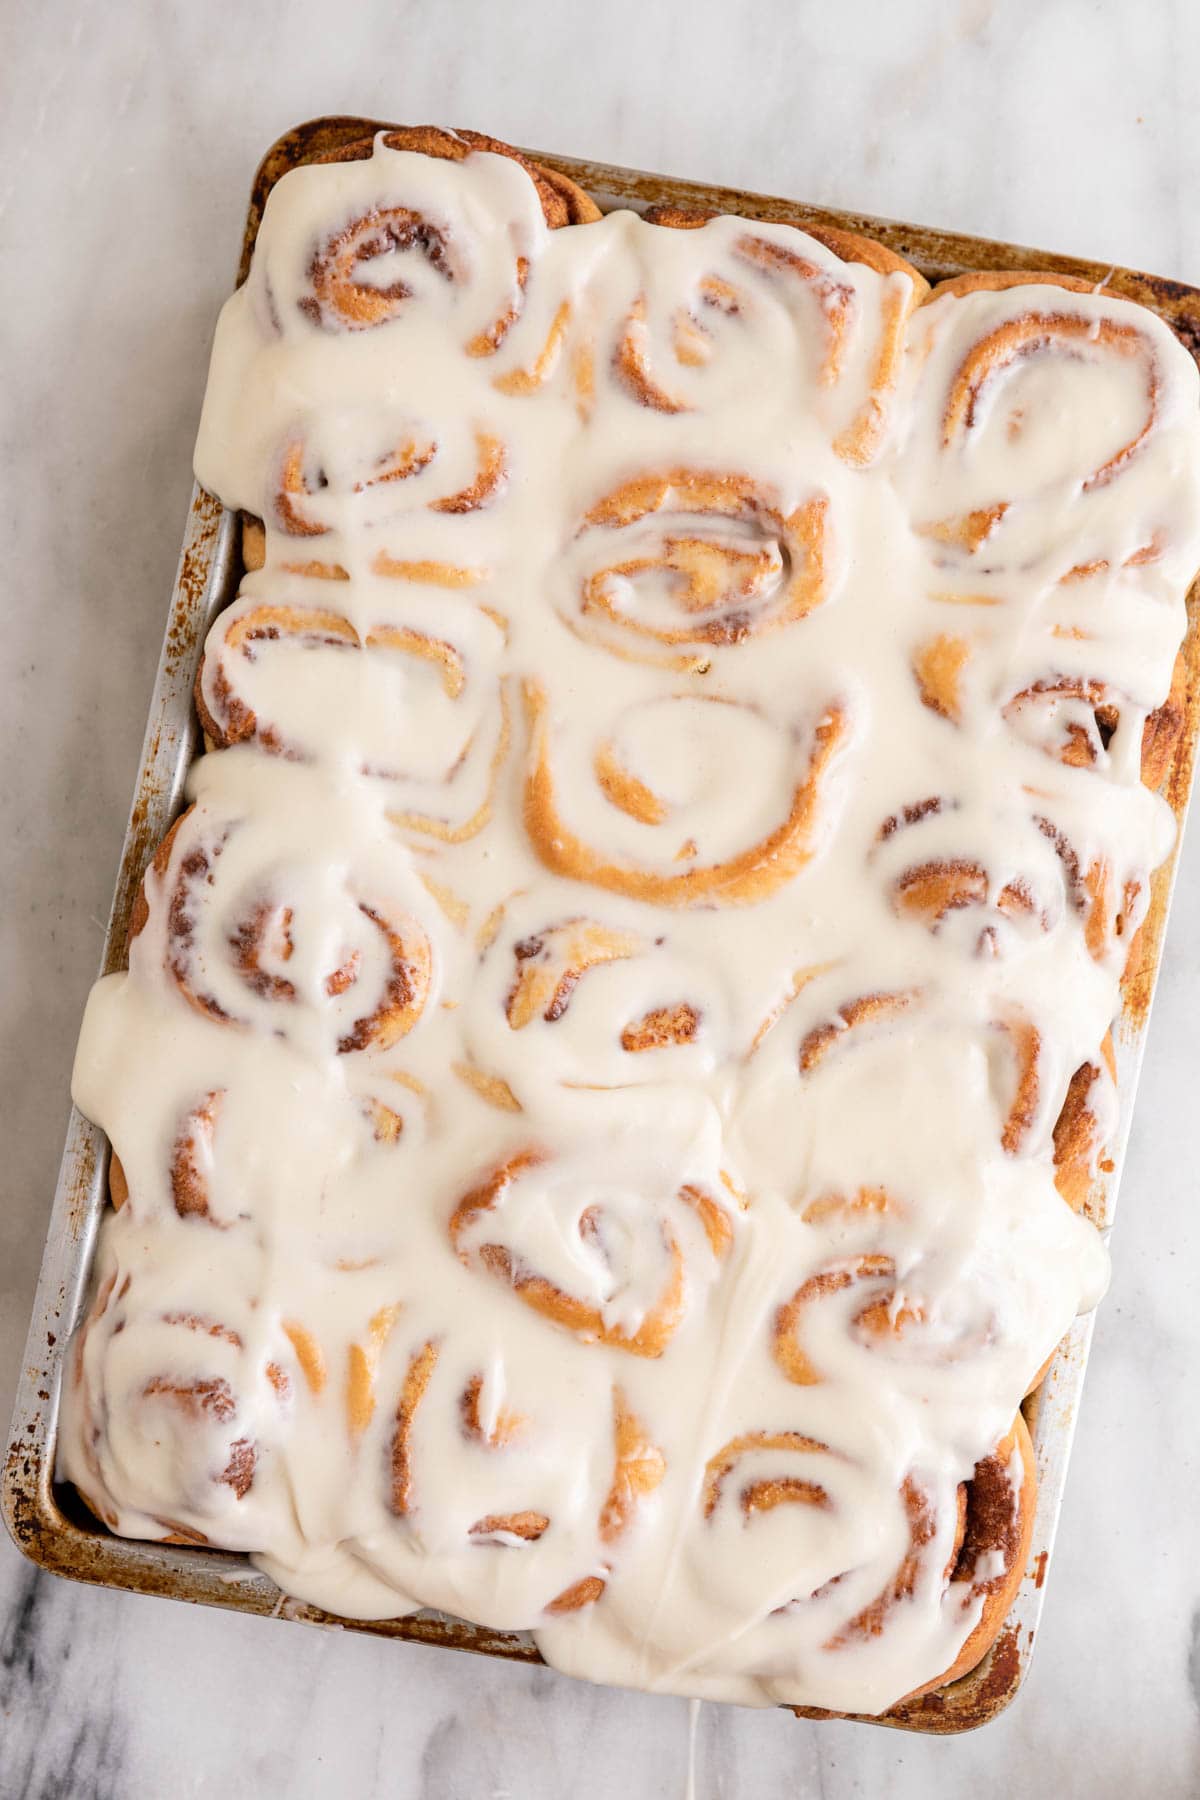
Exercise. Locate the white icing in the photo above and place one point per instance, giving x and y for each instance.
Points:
(383, 1001)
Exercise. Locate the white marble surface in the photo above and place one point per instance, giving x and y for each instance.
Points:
(130, 133)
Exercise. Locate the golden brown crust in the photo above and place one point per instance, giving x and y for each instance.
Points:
(848, 245)
(937, 666)
(215, 737)
(677, 218)
(1161, 732)
(563, 201)
(118, 1183)
(638, 1468)
(994, 281)
(997, 1519)
(1041, 1374)
(581, 208)
(578, 1595)
(140, 910)
(238, 722)
(1077, 1129)
(852, 247)
(254, 543)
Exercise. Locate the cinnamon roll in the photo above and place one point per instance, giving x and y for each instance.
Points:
(413, 469)
(416, 701)
(678, 563)
(867, 1307)
(698, 863)
(206, 1175)
(591, 1001)
(342, 297)
(1083, 722)
(186, 1382)
(619, 1264)
(529, 1534)
(831, 1060)
(1008, 360)
(540, 1543)
(238, 945)
(930, 855)
(1040, 879)
(858, 295)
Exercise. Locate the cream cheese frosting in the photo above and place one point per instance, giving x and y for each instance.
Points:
(587, 1073)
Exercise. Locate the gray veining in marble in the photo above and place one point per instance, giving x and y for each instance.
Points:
(130, 132)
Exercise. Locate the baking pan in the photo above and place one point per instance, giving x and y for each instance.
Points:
(48, 1523)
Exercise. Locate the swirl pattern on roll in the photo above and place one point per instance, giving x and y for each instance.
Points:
(614, 1085)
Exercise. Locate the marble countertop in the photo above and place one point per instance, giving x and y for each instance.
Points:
(130, 136)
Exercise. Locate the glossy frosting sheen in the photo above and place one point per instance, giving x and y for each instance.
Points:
(587, 1075)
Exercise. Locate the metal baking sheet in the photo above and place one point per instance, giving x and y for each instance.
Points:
(47, 1522)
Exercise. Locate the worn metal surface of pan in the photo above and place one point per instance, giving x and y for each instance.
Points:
(48, 1522)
